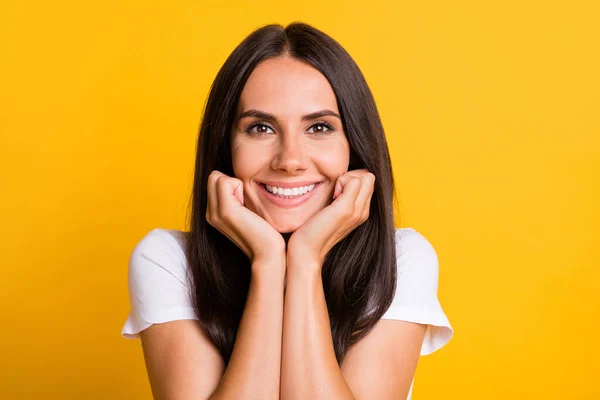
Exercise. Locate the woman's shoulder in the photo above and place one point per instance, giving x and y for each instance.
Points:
(162, 247)
(158, 281)
(178, 235)
(416, 297)
(410, 238)
(176, 239)
(416, 254)
(171, 235)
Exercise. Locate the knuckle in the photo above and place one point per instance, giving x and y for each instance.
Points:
(212, 220)
(227, 218)
(216, 222)
(212, 180)
(348, 212)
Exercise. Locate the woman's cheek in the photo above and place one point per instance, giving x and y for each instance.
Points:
(243, 164)
(332, 157)
(251, 201)
(335, 166)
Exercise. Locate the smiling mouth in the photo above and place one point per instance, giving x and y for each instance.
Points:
(290, 193)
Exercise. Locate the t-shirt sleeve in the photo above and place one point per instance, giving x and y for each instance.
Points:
(416, 297)
(158, 283)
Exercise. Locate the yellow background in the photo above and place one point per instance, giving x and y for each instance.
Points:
(491, 110)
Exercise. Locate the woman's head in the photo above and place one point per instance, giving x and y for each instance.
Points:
(288, 134)
(290, 107)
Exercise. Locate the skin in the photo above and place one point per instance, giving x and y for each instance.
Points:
(284, 347)
(288, 149)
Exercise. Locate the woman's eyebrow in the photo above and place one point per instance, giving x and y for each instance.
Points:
(272, 118)
(320, 114)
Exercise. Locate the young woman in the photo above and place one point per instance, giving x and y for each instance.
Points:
(293, 281)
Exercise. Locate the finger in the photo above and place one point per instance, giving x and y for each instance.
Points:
(357, 173)
(345, 179)
(238, 192)
(363, 200)
(338, 189)
(226, 188)
(351, 187)
(211, 188)
(361, 206)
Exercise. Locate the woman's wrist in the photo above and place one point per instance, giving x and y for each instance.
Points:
(303, 266)
(272, 265)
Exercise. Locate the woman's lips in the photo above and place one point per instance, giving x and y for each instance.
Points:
(288, 203)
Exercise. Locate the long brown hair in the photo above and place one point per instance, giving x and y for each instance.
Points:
(359, 273)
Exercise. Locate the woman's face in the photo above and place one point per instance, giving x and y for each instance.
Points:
(288, 137)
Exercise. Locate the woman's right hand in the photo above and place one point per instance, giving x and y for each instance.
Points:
(226, 212)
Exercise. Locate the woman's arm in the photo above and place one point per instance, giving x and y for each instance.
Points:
(182, 363)
(309, 366)
(380, 366)
(255, 365)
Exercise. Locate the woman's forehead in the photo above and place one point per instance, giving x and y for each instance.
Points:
(287, 86)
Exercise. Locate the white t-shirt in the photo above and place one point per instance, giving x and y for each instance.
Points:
(158, 286)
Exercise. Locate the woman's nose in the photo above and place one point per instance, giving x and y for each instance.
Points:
(290, 156)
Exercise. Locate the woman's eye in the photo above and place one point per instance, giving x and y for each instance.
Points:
(258, 129)
(321, 128)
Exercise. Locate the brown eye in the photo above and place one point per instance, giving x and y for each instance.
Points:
(258, 129)
(321, 129)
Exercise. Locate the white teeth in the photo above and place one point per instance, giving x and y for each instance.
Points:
(297, 191)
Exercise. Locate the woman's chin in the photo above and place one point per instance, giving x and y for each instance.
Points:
(286, 226)
(287, 230)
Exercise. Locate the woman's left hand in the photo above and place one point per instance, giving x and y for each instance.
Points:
(311, 242)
